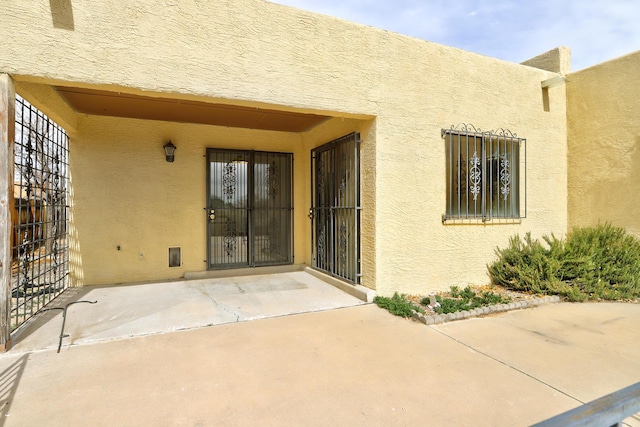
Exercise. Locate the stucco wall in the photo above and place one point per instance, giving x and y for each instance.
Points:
(604, 144)
(557, 60)
(250, 52)
(125, 194)
(414, 250)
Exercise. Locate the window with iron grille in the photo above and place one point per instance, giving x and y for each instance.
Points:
(485, 174)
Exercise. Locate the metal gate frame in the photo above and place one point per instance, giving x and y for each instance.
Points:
(40, 259)
(335, 210)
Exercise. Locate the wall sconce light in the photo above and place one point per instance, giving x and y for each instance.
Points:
(170, 151)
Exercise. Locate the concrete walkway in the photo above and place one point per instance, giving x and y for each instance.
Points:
(352, 366)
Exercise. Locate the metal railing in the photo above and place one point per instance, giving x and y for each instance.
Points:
(609, 410)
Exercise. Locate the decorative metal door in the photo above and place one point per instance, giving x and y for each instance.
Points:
(40, 263)
(250, 207)
(336, 208)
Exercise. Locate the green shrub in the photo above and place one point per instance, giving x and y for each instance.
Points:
(600, 262)
(466, 299)
(397, 305)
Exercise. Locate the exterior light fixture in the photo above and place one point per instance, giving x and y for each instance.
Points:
(169, 151)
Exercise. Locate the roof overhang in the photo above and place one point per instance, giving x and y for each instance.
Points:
(117, 104)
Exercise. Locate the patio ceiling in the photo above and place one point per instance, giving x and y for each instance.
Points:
(105, 103)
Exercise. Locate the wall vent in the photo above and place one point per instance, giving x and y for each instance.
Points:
(175, 257)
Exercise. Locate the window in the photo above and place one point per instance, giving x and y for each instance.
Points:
(483, 174)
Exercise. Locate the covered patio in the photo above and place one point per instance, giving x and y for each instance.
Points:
(137, 310)
(236, 193)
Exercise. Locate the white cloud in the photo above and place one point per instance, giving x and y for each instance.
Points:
(512, 30)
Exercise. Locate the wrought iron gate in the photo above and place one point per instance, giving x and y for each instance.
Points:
(39, 270)
(250, 207)
(335, 212)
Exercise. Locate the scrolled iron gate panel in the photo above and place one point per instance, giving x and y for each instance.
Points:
(250, 207)
(272, 207)
(228, 208)
(335, 212)
(40, 244)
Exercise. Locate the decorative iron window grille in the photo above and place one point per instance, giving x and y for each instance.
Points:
(39, 268)
(484, 174)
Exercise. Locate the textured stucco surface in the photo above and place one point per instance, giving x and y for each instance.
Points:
(397, 91)
(604, 144)
(125, 193)
(45, 98)
(557, 60)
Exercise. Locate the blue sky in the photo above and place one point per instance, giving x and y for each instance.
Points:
(513, 30)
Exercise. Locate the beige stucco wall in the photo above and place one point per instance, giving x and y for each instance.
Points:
(557, 60)
(251, 52)
(125, 193)
(414, 250)
(604, 144)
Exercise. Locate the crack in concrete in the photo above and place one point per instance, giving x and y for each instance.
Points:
(509, 366)
(217, 304)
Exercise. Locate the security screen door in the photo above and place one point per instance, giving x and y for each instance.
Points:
(249, 208)
(335, 212)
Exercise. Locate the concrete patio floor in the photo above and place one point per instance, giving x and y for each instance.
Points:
(125, 311)
(355, 366)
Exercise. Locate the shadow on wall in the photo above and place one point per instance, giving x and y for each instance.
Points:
(545, 99)
(62, 14)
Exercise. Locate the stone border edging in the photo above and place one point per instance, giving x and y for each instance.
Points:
(437, 319)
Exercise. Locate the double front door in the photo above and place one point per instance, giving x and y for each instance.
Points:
(249, 208)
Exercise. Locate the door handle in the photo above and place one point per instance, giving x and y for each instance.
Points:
(212, 214)
(310, 213)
